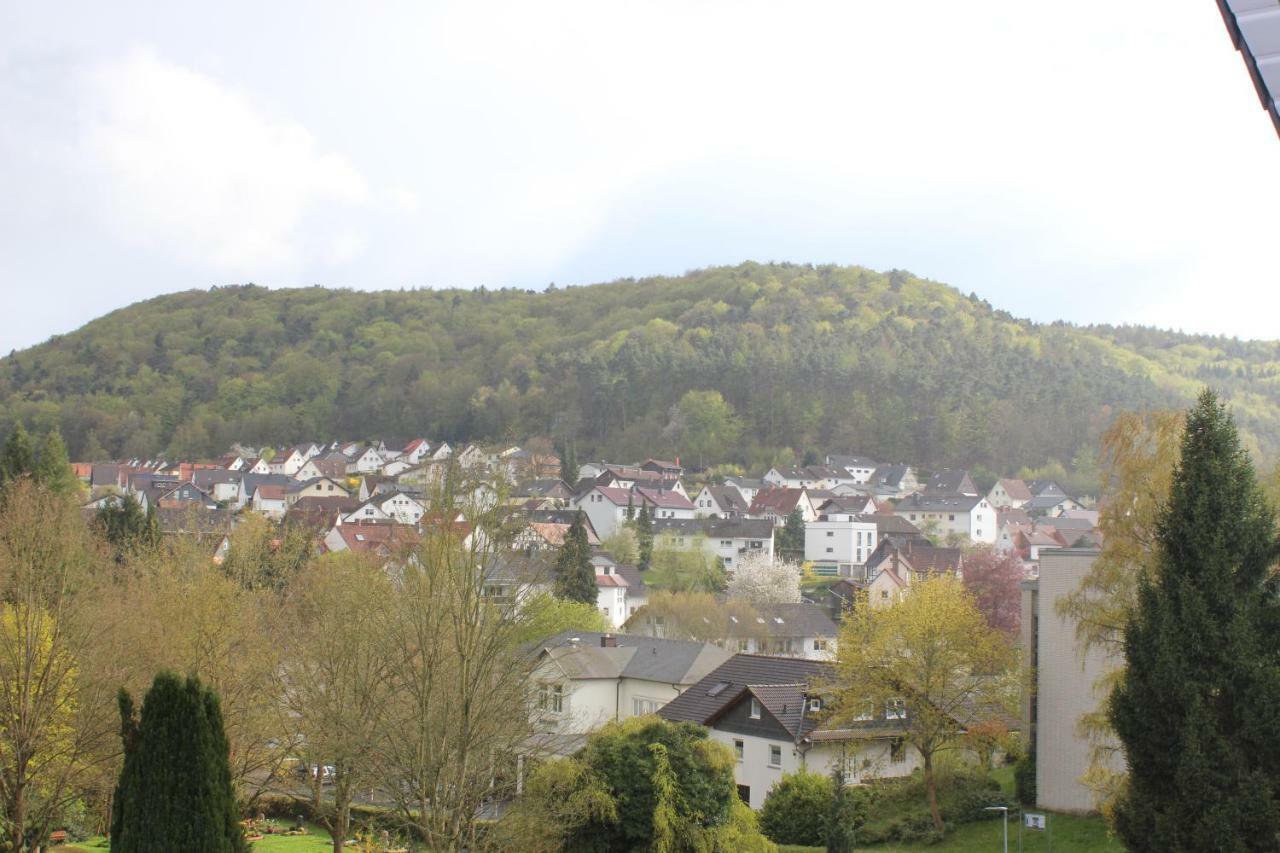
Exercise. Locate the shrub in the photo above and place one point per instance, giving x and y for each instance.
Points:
(1024, 781)
(795, 809)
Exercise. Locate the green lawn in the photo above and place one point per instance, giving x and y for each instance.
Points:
(314, 841)
(1067, 833)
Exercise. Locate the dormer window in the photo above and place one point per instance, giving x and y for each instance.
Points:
(755, 709)
(815, 705)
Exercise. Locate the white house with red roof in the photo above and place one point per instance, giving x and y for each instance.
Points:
(608, 507)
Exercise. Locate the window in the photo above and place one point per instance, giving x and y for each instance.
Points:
(815, 705)
(820, 644)
(951, 516)
(867, 715)
(897, 750)
(831, 533)
(896, 709)
(977, 532)
(913, 516)
(738, 749)
(726, 543)
(830, 550)
(551, 698)
(775, 755)
(884, 593)
(640, 706)
(755, 709)
(744, 793)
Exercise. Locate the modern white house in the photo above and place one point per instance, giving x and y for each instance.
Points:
(770, 712)
(585, 679)
(972, 517)
(860, 468)
(837, 543)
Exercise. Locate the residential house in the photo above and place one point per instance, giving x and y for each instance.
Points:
(965, 516)
(729, 539)
(319, 513)
(637, 590)
(585, 679)
(776, 504)
(222, 484)
(894, 481)
(802, 629)
(860, 468)
(950, 481)
(269, 499)
(388, 506)
(1009, 492)
(553, 489)
(416, 451)
(546, 535)
(383, 539)
(249, 483)
(332, 465)
(287, 462)
(609, 507)
(1063, 677)
(611, 593)
(747, 486)
(770, 712)
(366, 461)
(316, 487)
(720, 501)
(838, 543)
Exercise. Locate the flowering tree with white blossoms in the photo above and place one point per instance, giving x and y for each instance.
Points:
(763, 579)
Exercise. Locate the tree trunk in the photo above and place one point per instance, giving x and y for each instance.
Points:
(931, 790)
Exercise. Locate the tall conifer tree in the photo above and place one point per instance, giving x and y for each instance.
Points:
(175, 789)
(575, 576)
(53, 468)
(644, 538)
(1198, 706)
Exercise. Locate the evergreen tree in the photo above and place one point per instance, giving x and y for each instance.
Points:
(575, 576)
(17, 458)
(644, 538)
(568, 463)
(53, 468)
(791, 539)
(174, 791)
(1198, 704)
(151, 529)
(123, 523)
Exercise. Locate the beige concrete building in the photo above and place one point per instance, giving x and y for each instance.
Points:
(1061, 679)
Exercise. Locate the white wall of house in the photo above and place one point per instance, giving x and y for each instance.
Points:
(606, 516)
(842, 540)
(612, 603)
(764, 760)
(978, 524)
(402, 508)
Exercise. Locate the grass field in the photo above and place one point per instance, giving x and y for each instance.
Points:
(314, 841)
(1065, 833)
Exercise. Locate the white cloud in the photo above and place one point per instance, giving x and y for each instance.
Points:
(198, 171)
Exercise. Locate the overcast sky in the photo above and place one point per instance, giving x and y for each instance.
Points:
(1091, 161)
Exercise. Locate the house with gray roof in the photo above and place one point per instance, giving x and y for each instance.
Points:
(773, 713)
(729, 539)
(584, 679)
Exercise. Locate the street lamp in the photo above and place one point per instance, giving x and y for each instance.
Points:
(1004, 810)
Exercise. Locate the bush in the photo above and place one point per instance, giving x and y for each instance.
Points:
(1024, 781)
(795, 809)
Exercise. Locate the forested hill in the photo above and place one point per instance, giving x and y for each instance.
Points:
(809, 358)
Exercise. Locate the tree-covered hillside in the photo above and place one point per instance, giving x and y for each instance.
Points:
(808, 358)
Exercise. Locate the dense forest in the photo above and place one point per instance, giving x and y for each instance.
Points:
(804, 358)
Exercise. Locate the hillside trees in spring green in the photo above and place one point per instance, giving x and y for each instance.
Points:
(825, 358)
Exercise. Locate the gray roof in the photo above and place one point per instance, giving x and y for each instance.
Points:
(889, 475)
(1254, 26)
(796, 620)
(644, 658)
(851, 461)
(938, 503)
(729, 498)
(716, 528)
(725, 686)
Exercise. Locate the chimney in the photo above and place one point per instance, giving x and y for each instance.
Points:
(608, 641)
